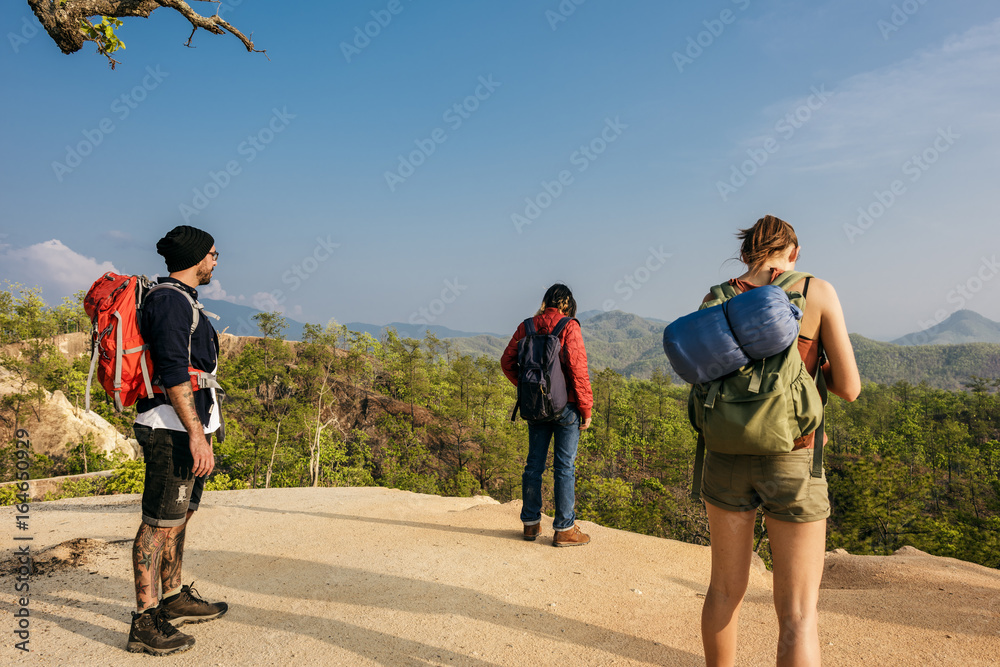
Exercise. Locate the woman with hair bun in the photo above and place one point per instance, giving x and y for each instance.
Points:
(794, 502)
(557, 304)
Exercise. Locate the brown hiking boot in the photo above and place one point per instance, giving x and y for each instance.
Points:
(571, 537)
(185, 607)
(531, 532)
(152, 633)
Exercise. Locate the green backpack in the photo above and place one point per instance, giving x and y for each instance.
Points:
(763, 407)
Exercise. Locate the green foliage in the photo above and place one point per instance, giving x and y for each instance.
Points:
(347, 462)
(406, 463)
(103, 34)
(222, 482)
(462, 484)
(130, 477)
(23, 314)
(39, 465)
(608, 502)
(95, 459)
(77, 488)
(272, 324)
(8, 495)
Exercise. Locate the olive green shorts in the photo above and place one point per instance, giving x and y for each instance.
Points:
(780, 485)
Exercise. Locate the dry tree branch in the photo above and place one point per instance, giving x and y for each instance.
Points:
(63, 19)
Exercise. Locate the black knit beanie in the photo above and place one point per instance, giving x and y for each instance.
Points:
(184, 246)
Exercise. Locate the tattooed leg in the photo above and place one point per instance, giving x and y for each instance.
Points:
(173, 557)
(170, 565)
(146, 553)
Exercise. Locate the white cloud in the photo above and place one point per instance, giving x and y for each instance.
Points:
(214, 290)
(266, 302)
(56, 268)
(263, 301)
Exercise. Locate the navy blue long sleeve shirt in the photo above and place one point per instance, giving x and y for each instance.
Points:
(165, 323)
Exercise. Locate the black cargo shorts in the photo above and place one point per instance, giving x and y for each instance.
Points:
(171, 488)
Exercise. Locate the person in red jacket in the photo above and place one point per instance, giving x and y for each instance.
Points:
(557, 303)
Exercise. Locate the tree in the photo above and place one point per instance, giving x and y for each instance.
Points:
(68, 22)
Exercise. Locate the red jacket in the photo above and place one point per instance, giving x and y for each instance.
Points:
(573, 357)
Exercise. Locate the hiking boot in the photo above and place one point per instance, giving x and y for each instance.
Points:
(152, 633)
(571, 537)
(186, 607)
(531, 532)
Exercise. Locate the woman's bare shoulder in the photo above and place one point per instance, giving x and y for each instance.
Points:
(822, 289)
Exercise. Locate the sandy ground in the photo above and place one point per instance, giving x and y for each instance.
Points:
(382, 577)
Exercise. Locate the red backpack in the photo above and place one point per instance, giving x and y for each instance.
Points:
(120, 355)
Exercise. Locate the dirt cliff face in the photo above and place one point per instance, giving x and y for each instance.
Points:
(63, 425)
(54, 424)
(71, 346)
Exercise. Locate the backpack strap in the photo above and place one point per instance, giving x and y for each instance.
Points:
(757, 377)
(817, 466)
(529, 330)
(789, 278)
(557, 331)
(723, 292)
(203, 379)
(699, 465)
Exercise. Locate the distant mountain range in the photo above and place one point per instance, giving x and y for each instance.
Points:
(239, 320)
(963, 326)
(629, 344)
(944, 355)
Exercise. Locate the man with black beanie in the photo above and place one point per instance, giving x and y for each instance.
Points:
(174, 428)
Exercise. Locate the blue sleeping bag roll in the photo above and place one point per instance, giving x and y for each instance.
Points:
(715, 341)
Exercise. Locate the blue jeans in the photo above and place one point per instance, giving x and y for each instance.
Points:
(566, 430)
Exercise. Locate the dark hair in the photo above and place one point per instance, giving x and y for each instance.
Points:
(768, 236)
(559, 296)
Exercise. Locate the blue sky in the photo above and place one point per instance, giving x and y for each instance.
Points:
(450, 165)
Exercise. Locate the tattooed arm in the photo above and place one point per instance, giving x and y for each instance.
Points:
(182, 400)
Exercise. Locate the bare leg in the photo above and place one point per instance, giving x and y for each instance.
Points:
(797, 550)
(732, 544)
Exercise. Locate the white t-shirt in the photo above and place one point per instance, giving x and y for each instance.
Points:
(164, 416)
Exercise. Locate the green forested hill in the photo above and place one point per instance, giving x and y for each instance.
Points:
(629, 344)
(941, 366)
(633, 346)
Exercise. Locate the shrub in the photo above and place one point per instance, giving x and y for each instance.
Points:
(8, 494)
(222, 482)
(77, 488)
(130, 477)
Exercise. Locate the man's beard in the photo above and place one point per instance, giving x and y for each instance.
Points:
(204, 275)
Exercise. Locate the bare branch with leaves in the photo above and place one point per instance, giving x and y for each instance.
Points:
(69, 22)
